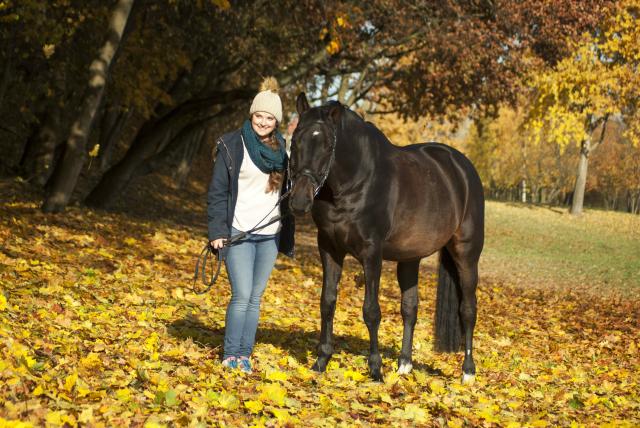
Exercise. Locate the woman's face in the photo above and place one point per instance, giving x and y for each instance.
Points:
(263, 123)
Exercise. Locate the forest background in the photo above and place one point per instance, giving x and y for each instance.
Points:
(542, 97)
(109, 111)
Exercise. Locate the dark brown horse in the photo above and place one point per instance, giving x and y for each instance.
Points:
(377, 201)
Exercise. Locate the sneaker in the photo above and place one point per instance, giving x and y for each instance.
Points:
(230, 362)
(245, 364)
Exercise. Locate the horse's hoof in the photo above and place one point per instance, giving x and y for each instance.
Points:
(317, 367)
(468, 379)
(405, 368)
(376, 375)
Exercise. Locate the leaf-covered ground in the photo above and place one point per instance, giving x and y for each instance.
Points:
(98, 328)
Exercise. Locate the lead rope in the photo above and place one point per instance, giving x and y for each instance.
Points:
(206, 255)
(201, 267)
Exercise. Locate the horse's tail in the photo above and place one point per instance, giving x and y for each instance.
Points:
(448, 327)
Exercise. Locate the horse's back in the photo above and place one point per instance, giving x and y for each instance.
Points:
(436, 151)
(439, 158)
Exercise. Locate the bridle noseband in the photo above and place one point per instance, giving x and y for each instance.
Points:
(306, 172)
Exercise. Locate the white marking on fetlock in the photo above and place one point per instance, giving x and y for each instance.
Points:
(405, 368)
(468, 379)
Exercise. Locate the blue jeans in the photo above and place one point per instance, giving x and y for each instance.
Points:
(249, 264)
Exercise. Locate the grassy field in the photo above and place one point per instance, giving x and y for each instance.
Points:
(542, 246)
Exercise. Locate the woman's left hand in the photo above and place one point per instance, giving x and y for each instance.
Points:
(217, 243)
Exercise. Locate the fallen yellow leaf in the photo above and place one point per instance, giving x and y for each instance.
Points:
(273, 393)
(276, 375)
(70, 381)
(254, 406)
(350, 374)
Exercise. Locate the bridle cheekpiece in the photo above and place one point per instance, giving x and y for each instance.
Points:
(306, 172)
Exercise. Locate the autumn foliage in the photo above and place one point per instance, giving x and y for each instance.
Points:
(98, 327)
(582, 107)
(185, 70)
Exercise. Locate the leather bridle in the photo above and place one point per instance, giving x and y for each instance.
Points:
(312, 176)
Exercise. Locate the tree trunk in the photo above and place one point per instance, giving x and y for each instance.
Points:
(610, 198)
(153, 139)
(633, 202)
(581, 178)
(534, 193)
(147, 143)
(586, 148)
(324, 91)
(117, 177)
(172, 152)
(38, 156)
(6, 76)
(344, 87)
(111, 130)
(68, 169)
(188, 155)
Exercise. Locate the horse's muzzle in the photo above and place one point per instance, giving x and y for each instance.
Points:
(301, 198)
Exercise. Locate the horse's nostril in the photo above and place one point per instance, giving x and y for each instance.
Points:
(299, 206)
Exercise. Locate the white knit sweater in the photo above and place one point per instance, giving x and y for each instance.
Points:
(253, 202)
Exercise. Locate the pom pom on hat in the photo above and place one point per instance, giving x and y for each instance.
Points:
(270, 84)
(268, 99)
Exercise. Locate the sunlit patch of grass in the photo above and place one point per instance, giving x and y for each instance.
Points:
(540, 246)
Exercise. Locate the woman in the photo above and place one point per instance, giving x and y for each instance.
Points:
(248, 178)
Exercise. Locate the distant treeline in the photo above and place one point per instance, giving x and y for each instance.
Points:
(95, 94)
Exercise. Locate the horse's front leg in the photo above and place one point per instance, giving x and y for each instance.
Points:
(331, 270)
(371, 311)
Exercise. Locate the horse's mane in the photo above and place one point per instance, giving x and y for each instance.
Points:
(347, 112)
(353, 120)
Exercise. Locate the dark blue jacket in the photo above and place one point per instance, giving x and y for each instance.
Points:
(223, 193)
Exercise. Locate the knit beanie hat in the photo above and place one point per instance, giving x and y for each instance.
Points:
(268, 99)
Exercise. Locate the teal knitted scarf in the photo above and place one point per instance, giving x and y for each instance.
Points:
(265, 158)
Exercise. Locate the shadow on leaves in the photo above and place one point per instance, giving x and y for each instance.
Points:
(299, 343)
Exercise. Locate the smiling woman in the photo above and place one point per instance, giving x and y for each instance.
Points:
(263, 124)
(248, 176)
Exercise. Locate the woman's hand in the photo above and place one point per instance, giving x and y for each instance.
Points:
(218, 243)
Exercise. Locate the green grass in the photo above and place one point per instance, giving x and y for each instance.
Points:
(542, 246)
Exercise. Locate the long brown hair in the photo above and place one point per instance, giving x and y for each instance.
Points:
(275, 177)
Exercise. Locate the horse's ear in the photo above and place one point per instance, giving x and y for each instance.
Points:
(302, 104)
(336, 113)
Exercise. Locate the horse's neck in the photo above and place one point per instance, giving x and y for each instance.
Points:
(359, 155)
(363, 139)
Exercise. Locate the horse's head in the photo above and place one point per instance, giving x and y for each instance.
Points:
(312, 151)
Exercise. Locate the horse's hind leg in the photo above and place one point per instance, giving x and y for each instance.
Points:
(408, 280)
(468, 313)
(331, 271)
(467, 265)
